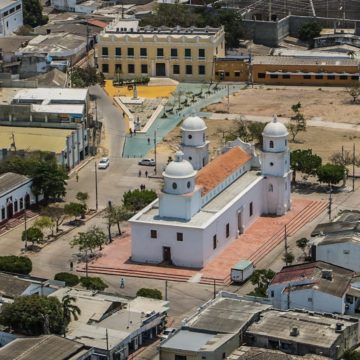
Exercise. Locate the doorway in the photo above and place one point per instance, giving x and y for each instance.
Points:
(240, 221)
(10, 211)
(167, 254)
(160, 69)
(27, 201)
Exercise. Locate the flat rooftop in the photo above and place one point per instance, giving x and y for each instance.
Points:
(48, 94)
(207, 213)
(32, 139)
(225, 315)
(314, 329)
(293, 60)
(70, 109)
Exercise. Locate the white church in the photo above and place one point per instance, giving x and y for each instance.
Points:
(205, 205)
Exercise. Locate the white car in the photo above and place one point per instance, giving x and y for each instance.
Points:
(147, 162)
(166, 333)
(104, 163)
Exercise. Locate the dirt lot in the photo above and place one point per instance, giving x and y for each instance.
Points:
(332, 140)
(331, 104)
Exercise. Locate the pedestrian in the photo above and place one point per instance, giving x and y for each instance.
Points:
(71, 266)
(77, 177)
(139, 173)
(148, 141)
(130, 131)
(146, 173)
(134, 132)
(122, 283)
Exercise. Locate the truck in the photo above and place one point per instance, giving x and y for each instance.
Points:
(242, 271)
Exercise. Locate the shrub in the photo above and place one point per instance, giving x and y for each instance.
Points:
(16, 264)
(149, 293)
(93, 283)
(69, 279)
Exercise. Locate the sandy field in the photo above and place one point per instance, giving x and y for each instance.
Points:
(331, 104)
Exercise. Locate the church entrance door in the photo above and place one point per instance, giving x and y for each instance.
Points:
(167, 254)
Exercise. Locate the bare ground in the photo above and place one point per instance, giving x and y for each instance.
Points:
(331, 104)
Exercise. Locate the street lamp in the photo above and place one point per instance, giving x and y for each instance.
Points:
(96, 189)
(25, 227)
(155, 155)
(330, 202)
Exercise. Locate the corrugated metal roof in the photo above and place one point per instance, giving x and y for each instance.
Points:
(9, 181)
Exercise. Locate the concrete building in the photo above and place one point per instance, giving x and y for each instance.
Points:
(15, 195)
(316, 286)
(124, 323)
(232, 68)
(70, 146)
(199, 213)
(11, 15)
(215, 330)
(184, 54)
(78, 6)
(300, 333)
(285, 70)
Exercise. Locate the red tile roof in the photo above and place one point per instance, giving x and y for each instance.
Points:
(98, 23)
(220, 168)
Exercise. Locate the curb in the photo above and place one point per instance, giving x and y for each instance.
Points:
(78, 168)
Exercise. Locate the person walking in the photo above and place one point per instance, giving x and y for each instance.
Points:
(139, 173)
(77, 177)
(71, 266)
(146, 173)
(122, 283)
(148, 141)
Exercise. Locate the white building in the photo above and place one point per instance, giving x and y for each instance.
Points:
(11, 16)
(316, 286)
(198, 213)
(15, 194)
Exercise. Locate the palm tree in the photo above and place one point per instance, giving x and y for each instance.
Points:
(69, 310)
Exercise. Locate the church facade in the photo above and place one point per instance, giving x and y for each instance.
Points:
(205, 205)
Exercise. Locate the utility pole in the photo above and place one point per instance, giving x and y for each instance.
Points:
(286, 246)
(166, 290)
(155, 155)
(228, 99)
(96, 189)
(353, 166)
(86, 263)
(109, 222)
(107, 344)
(330, 203)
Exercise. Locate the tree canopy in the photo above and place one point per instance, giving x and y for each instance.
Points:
(74, 209)
(90, 240)
(149, 293)
(304, 161)
(116, 214)
(135, 200)
(32, 13)
(330, 174)
(85, 77)
(261, 278)
(16, 264)
(178, 14)
(33, 315)
(33, 235)
(309, 31)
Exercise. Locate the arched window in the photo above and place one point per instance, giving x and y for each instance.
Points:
(271, 188)
(271, 144)
(188, 184)
(190, 136)
(174, 185)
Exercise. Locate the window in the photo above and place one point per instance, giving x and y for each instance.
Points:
(118, 68)
(343, 77)
(105, 68)
(188, 184)
(331, 77)
(307, 76)
(271, 144)
(285, 142)
(176, 69)
(179, 236)
(286, 76)
(349, 299)
(174, 53)
(227, 74)
(180, 357)
(201, 69)
(143, 52)
(160, 52)
(2, 213)
(261, 75)
(105, 52)
(190, 136)
(271, 164)
(271, 188)
(227, 230)
(319, 77)
(188, 69)
(272, 294)
(346, 252)
(188, 53)
(355, 77)
(174, 185)
(21, 204)
(153, 234)
(130, 52)
(117, 52)
(273, 76)
(12, 10)
(201, 53)
(251, 210)
(15, 206)
(214, 242)
(6, 13)
(18, 7)
(131, 68)
(144, 68)
(237, 73)
(190, 158)
(310, 299)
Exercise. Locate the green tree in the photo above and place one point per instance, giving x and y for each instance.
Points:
(351, 355)
(354, 90)
(68, 278)
(309, 31)
(85, 77)
(261, 279)
(256, 129)
(32, 13)
(83, 197)
(288, 258)
(90, 240)
(32, 234)
(16, 264)
(74, 209)
(298, 124)
(93, 283)
(304, 161)
(69, 311)
(149, 293)
(330, 173)
(33, 315)
(135, 200)
(45, 222)
(115, 215)
(56, 213)
(302, 244)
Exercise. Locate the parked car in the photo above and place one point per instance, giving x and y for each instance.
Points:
(166, 333)
(147, 162)
(104, 163)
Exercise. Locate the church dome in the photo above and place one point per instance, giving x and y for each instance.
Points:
(193, 123)
(179, 168)
(275, 129)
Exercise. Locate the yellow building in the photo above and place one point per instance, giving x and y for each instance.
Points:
(232, 68)
(184, 54)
